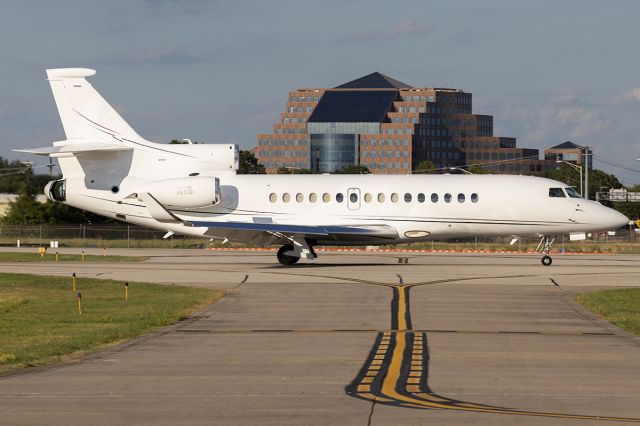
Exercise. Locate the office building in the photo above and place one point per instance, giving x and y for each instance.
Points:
(389, 127)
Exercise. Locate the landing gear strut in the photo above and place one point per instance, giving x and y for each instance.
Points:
(287, 259)
(545, 248)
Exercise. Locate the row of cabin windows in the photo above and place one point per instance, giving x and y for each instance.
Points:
(368, 198)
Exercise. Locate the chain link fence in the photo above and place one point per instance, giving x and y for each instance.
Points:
(130, 236)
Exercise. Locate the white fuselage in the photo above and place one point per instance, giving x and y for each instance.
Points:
(415, 206)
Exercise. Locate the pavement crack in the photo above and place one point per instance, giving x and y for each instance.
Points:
(373, 406)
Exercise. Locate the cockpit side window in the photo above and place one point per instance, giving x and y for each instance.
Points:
(556, 192)
(572, 193)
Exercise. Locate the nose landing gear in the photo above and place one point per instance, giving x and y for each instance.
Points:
(545, 248)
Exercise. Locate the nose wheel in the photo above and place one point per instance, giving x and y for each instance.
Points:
(287, 259)
(545, 248)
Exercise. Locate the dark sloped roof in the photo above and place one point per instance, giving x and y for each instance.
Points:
(352, 106)
(375, 80)
(566, 145)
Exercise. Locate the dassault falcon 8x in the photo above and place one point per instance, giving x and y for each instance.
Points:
(194, 190)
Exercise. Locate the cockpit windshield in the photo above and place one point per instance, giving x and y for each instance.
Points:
(572, 192)
(556, 192)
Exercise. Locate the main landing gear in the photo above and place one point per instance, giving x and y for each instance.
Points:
(286, 259)
(290, 254)
(545, 248)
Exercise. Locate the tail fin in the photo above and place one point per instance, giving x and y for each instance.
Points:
(86, 116)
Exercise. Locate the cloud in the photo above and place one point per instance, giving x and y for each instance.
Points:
(405, 29)
(632, 95)
(160, 57)
(565, 116)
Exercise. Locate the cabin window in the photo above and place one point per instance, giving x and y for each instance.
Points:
(339, 197)
(447, 198)
(326, 197)
(434, 198)
(474, 198)
(286, 197)
(407, 198)
(273, 197)
(367, 198)
(421, 197)
(461, 198)
(572, 192)
(556, 193)
(299, 197)
(381, 197)
(353, 197)
(313, 197)
(394, 198)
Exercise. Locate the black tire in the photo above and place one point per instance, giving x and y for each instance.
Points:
(546, 260)
(285, 259)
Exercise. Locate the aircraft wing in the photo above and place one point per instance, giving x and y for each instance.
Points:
(263, 233)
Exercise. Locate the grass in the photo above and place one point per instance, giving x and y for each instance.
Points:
(40, 323)
(51, 257)
(620, 307)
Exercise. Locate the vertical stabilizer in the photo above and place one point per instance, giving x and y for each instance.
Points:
(86, 116)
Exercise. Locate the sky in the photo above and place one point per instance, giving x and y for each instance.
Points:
(219, 71)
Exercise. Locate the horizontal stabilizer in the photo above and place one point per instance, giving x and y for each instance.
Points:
(57, 151)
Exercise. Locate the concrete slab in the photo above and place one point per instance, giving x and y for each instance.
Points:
(463, 338)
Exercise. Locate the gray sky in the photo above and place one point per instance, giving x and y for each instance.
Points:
(219, 71)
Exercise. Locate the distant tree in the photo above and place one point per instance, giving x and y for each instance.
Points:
(352, 170)
(631, 210)
(426, 166)
(293, 171)
(249, 164)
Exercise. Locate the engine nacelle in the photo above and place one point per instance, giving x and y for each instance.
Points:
(188, 192)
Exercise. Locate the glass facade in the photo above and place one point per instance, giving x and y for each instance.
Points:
(333, 151)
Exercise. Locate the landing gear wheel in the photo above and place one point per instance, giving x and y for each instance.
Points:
(286, 259)
(546, 260)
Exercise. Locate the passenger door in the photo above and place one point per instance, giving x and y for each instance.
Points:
(353, 198)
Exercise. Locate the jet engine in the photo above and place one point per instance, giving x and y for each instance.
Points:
(188, 192)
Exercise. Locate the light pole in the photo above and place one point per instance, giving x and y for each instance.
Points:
(579, 169)
(586, 172)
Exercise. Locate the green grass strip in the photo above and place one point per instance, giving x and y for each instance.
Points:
(620, 307)
(40, 323)
(63, 257)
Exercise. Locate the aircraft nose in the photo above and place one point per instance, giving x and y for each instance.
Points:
(613, 219)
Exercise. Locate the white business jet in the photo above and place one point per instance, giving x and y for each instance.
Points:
(194, 190)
